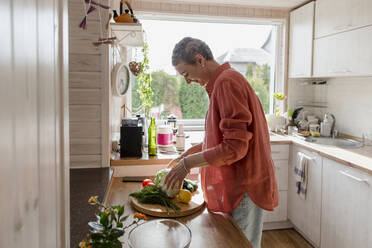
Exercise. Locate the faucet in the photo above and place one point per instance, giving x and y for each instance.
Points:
(333, 127)
(334, 134)
(327, 118)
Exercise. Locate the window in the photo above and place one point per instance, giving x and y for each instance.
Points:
(249, 48)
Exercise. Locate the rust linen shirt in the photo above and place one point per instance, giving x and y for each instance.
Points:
(236, 145)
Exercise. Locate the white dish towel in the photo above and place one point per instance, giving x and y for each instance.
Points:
(300, 174)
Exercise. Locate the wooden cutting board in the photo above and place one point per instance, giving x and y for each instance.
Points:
(196, 203)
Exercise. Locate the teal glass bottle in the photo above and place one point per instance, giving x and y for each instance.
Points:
(152, 138)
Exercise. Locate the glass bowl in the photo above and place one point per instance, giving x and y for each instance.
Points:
(160, 233)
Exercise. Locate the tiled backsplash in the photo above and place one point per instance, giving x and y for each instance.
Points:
(349, 99)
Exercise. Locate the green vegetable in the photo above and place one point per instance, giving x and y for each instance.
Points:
(154, 195)
(189, 185)
(159, 180)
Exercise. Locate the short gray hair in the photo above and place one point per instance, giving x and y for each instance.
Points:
(186, 49)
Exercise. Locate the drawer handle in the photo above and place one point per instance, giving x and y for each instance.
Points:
(275, 152)
(306, 156)
(345, 173)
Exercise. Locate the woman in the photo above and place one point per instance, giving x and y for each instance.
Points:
(237, 172)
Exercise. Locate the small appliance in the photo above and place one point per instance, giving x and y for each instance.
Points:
(131, 133)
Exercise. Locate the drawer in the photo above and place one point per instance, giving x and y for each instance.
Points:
(280, 152)
(281, 173)
(280, 212)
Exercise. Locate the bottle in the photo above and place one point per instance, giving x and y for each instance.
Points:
(180, 138)
(152, 138)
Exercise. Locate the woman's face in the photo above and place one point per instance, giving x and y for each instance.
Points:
(194, 73)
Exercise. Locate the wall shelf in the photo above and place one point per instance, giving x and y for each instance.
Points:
(312, 104)
(128, 34)
(314, 83)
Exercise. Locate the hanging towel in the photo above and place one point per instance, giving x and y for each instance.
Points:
(300, 174)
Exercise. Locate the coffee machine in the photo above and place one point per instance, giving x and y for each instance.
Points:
(131, 133)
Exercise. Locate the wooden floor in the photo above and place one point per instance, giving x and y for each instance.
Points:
(287, 238)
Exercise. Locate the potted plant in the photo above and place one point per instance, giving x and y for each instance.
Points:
(276, 121)
(144, 82)
(108, 227)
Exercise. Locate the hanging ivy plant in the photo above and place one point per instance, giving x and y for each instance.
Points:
(144, 81)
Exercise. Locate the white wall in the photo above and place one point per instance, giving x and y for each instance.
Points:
(349, 99)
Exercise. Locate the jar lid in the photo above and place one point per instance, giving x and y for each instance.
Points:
(164, 129)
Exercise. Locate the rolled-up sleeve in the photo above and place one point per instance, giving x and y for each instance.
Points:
(235, 117)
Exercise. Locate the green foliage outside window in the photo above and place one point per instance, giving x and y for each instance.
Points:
(259, 78)
(194, 100)
(166, 90)
(189, 100)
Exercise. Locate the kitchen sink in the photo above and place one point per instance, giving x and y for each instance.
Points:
(340, 142)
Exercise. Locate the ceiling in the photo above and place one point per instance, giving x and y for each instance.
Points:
(287, 4)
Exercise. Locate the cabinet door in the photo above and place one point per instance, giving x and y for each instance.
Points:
(301, 41)
(334, 16)
(305, 213)
(344, 54)
(280, 155)
(346, 207)
(280, 212)
(281, 175)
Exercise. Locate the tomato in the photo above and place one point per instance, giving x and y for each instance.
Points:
(146, 182)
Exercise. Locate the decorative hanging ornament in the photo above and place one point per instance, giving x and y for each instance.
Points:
(83, 24)
(92, 6)
(135, 67)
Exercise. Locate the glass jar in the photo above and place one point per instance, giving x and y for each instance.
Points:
(164, 136)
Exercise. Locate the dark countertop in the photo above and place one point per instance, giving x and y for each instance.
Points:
(85, 183)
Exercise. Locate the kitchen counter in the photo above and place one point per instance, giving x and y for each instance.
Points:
(359, 158)
(217, 230)
(166, 158)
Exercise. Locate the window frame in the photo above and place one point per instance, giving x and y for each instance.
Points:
(279, 84)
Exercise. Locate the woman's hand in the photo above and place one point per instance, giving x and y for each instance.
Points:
(174, 162)
(176, 174)
(191, 150)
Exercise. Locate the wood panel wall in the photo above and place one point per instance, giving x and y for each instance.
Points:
(88, 76)
(34, 152)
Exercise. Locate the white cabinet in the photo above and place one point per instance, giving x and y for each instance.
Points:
(344, 54)
(280, 155)
(333, 16)
(301, 41)
(279, 152)
(280, 212)
(305, 213)
(346, 207)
